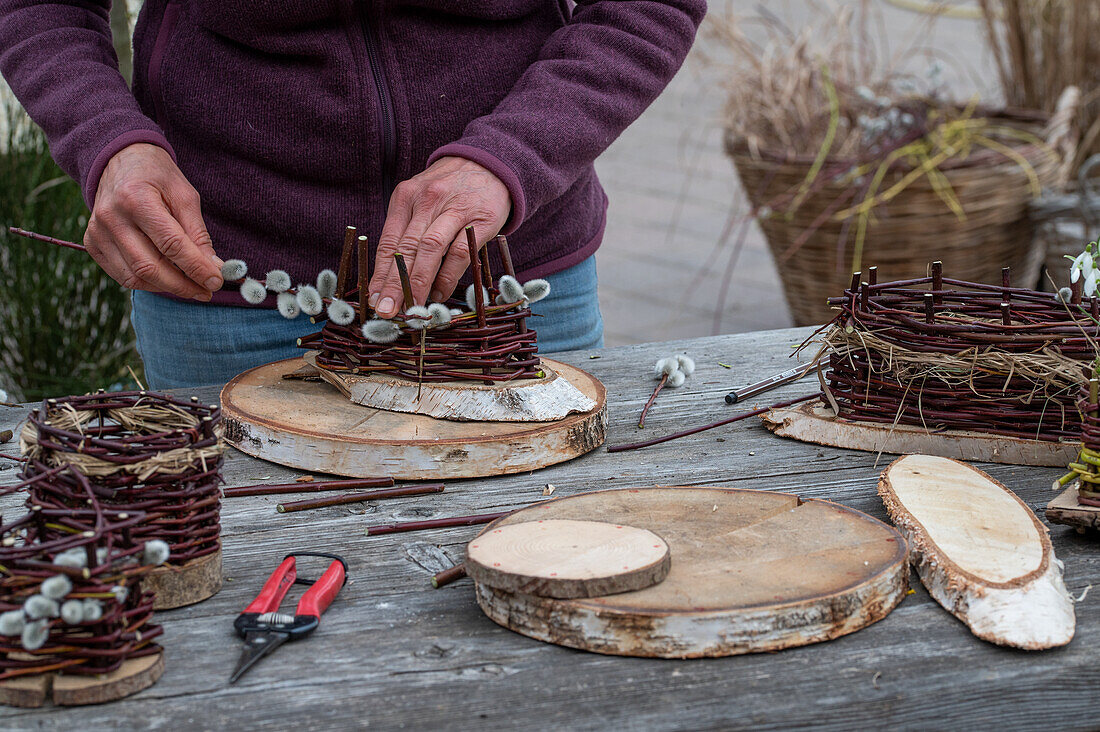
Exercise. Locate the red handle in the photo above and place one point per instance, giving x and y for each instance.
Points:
(318, 597)
(275, 589)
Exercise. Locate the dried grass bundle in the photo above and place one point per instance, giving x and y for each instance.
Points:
(1043, 46)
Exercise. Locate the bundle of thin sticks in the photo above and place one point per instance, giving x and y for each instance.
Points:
(1086, 469)
(70, 590)
(137, 452)
(491, 342)
(949, 354)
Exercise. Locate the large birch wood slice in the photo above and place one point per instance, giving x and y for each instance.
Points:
(521, 400)
(566, 558)
(75, 690)
(814, 422)
(310, 425)
(1066, 510)
(751, 571)
(980, 551)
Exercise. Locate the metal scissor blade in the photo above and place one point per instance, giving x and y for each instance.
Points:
(257, 645)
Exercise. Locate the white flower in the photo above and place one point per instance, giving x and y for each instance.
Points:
(1083, 264)
(1090, 283)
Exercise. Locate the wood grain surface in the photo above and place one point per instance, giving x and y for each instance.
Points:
(393, 653)
(753, 571)
(312, 426)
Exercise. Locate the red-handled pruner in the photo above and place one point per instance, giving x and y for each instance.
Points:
(264, 628)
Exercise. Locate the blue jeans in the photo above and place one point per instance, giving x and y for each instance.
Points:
(187, 344)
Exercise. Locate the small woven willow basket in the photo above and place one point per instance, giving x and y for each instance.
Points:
(913, 229)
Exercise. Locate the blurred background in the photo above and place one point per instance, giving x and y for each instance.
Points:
(684, 254)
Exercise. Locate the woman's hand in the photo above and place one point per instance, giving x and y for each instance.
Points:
(146, 228)
(425, 222)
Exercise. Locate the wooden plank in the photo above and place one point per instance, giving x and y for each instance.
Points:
(400, 654)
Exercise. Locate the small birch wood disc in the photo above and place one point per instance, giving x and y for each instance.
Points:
(186, 584)
(980, 551)
(814, 422)
(75, 690)
(1065, 509)
(566, 558)
(751, 571)
(312, 426)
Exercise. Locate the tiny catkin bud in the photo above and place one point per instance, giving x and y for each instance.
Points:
(340, 312)
(277, 280)
(417, 317)
(38, 606)
(35, 634)
(676, 378)
(441, 314)
(536, 290)
(510, 289)
(72, 612)
(381, 331)
(686, 364)
(470, 297)
(664, 367)
(156, 552)
(288, 305)
(326, 283)
(93, 610)
(56, 587)
(75, 558)
(309, 300)
(252, 291)
(12, 622)
(120, 592)
(234, 269)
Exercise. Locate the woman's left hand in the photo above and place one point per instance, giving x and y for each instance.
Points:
(425, 222)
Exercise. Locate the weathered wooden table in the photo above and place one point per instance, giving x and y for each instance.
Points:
(393, 652)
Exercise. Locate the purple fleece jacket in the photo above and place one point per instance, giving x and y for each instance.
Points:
(294, 118)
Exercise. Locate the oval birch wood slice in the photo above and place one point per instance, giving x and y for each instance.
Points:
(980, 551)
(520, 400)
(75, 690)
(751, 571)
(566, 558)
(194, 581)
(814, 422)
(310, 425)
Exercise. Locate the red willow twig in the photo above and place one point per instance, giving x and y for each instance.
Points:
(447, 576)
(729, 420)
(415, 490)
(324, 485)
(442, 523)
(652, 398)
(48, 239)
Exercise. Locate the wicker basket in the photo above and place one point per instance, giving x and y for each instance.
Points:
(916, 227)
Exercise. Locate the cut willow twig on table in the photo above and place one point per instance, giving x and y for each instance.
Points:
(315, 487)
(395, 528)
(729, 420)
(47, 239)
(306, 505)
(447, 576)
(772, 382)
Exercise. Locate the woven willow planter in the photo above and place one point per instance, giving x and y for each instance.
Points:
(907, 233)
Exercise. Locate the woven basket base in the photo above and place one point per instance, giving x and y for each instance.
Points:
(1066, 510)
(72, 690)
(194, 581)
(814, 422)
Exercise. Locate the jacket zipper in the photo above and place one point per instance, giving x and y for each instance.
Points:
(382, 91)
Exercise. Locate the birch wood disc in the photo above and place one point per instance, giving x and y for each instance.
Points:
(980, 551)
(194, 581)
(751, 571)
(310, 425)
(566, 558)
(814, 422)
(1066, 510)
(75, 690)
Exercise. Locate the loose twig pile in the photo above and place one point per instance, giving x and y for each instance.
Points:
(949, 354)
(70, 589)
(135, 452)
(1086, 470)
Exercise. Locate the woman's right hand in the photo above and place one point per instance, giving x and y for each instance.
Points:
(146, 228)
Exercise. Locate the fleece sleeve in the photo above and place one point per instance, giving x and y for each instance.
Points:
(59, 60)
(593, 77)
